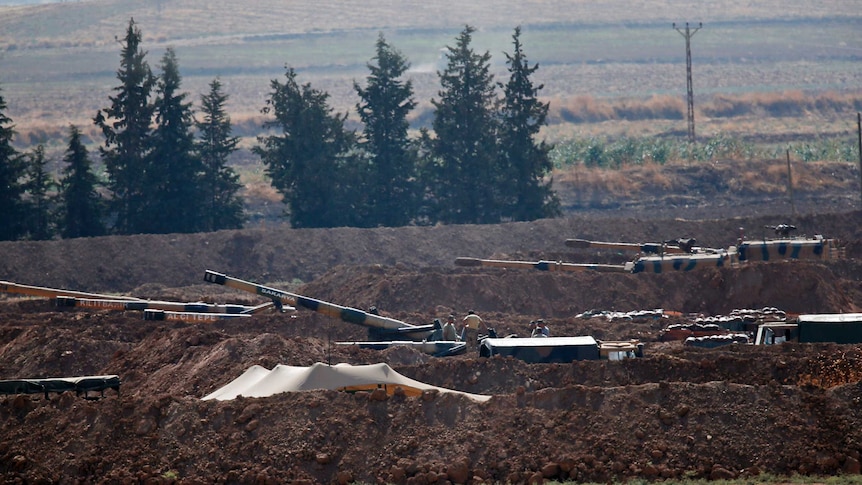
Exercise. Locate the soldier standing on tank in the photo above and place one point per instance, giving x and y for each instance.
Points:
(473, 322)
(449, 332)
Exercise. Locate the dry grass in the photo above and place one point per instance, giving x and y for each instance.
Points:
(769, 179)
(618, 183)
(784, 104)
(764, 177)
(580, 109)
(794, 103)
(657, 175)
(261, 190)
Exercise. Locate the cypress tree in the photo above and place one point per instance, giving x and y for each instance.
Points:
(466, 128)
(525, 162)
(223, 208)
(174, 175)
(126, 127)
(11, 173)
(303, 161)
(385, 103)
(429, 174)
(81, 206)
(39, 203)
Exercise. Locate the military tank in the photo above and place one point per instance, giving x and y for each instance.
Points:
(385, 332)
(682, 254)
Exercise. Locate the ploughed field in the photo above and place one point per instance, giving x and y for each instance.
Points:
(679, 412)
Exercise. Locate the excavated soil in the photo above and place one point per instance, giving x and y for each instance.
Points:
(680, 412)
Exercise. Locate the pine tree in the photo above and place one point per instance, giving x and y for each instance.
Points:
(223, 208)
(11, 173)
(465, 127)
(81, 206)
(174, 175)
(126, 127)
(525, 162)
(385, 103)
(39, 197)
(303, 161)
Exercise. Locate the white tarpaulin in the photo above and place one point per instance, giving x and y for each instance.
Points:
(257, 381)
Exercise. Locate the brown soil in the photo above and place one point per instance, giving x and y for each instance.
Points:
(680, 412)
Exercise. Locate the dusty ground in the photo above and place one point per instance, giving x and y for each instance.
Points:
(679, 412)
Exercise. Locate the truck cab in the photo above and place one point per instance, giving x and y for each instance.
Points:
(773, 333)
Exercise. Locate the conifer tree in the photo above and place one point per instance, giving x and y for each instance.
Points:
(223, 208)
(126, 127)
(385, 103)
(11, 174)
(525, 162)
(305, 158)
(174, 175)
(39, 197)
(465, 127)
(429, 172)
(80, 205)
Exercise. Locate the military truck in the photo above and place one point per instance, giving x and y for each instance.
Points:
(560, 349)
(840, 328)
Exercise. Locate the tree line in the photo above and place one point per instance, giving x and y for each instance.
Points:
(166, 168)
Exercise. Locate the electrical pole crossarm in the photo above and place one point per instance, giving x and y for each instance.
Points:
(688, 34)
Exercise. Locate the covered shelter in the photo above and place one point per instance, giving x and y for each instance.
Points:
(542, 349)
(257, 381)
(79, 385)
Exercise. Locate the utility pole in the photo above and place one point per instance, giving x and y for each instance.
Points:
(688, 34)
(790, 185)
(859, 134)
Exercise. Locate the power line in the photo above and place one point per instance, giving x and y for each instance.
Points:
(688, 34)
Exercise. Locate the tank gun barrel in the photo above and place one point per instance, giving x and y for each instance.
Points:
(650, 248)
(9, 287)
(346, 314)
(541, 265)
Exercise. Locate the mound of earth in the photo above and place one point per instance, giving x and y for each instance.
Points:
(679, 412)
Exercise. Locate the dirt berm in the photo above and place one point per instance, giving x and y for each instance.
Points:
(679, 412)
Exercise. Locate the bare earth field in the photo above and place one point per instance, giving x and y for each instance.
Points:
(679, 412)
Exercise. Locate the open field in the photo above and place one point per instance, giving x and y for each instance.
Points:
(58, 61)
